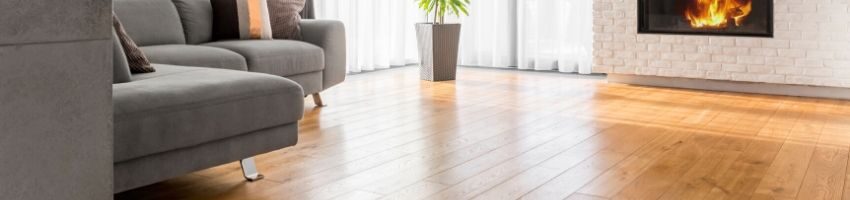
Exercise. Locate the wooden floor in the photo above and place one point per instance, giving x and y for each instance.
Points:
(497, 134)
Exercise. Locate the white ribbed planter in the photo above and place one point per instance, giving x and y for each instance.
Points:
(438, 49)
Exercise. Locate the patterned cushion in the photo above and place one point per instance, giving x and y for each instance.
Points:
(285, 18)
(241, 19)
(135, 57)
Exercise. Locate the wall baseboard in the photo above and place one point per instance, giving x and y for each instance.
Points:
(733, 86)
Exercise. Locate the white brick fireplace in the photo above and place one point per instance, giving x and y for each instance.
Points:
(811, 47)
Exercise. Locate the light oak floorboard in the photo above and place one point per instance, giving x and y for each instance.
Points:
(496, 134)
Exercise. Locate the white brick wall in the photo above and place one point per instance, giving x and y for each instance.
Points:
(811, 46)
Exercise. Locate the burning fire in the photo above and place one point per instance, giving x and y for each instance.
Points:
(717, 14)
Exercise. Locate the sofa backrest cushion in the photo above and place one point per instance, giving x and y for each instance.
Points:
(151, 22)
(197, 18)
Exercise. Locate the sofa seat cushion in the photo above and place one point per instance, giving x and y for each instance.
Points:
(278, 57)
(194, 55)
(180, 107)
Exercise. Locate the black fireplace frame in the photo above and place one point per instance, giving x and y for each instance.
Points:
(643, 27)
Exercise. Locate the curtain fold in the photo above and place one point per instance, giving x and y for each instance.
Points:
(488, 35)
(555, 35)
(380, 33)
(524, 34)
(309, 11)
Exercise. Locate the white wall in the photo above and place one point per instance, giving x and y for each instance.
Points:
(811, 47)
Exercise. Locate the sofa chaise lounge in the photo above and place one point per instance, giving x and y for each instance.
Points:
(211, 102)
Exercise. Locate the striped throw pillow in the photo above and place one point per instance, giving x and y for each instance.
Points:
(241, 19)
(286, 18)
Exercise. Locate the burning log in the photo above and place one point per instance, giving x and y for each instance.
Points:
(717, 14)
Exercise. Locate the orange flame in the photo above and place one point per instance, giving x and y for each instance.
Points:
(716, 14)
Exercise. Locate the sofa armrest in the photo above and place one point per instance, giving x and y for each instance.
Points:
(330, 36)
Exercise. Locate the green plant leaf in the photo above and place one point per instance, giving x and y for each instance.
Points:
(442, 7)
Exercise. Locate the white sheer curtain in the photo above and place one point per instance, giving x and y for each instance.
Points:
(488, 35)
(380, 33)
(526, 34)
(555, 35)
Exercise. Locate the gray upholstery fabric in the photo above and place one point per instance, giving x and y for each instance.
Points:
(150, 22)
(310, 82)
(278, 57)
(197, 18)
(178, 107)
(120, 67)
(153, 168)
(330, 36)
(194, 55)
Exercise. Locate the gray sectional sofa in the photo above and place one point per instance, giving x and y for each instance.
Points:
(211, 102)
(179, 32)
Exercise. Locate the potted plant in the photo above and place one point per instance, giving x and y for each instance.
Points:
(438, 41)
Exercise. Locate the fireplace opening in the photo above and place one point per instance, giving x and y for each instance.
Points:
(706, 17)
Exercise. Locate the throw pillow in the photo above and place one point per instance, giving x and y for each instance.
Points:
(136, 59)
(286, 18)
(241, 19)
(120, 67)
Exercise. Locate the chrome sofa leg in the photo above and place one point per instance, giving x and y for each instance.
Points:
(317, 99)
(249, 170)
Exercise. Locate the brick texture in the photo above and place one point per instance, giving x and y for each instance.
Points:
(811, 46)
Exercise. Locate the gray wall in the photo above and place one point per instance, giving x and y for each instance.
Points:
(55, 99)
